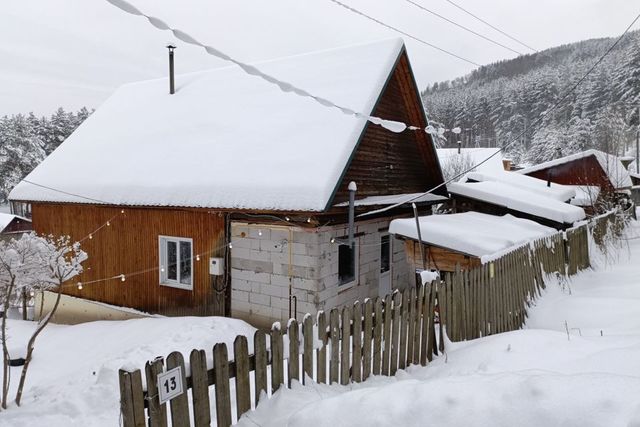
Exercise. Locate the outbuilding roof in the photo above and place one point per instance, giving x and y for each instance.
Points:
(224, 139)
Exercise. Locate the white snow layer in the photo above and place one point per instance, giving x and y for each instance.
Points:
(472, 233)
(518, 199)
(613, 167)
(224, 139)
(556, 191)
(451, 160)
(586, 195)
(393, 199)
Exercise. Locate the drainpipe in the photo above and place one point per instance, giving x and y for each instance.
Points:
(172, 77)
(415, 214)
(352, 207)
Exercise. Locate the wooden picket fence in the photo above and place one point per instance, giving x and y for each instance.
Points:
(348, 345)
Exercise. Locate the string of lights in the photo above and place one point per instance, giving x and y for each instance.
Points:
(497, 43)
(553, 107)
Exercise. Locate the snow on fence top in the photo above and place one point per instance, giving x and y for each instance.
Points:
(613, 167)
(518, 199)
(224, 139)
(472, 233)
(454, 163)
(538, 186)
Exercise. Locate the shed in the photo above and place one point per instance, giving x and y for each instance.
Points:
(233, 170)
(13, 225)
(466, 239)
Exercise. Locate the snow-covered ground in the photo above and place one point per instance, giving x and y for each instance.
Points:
(577, 363)
(538, 376)
(73, 380)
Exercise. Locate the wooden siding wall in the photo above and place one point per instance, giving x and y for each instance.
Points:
(411, 155)
(130, 244)
(440, 259)
(585, 171)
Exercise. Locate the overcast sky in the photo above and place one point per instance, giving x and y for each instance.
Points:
(74, 53)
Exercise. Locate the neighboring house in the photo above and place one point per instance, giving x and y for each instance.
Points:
(455, 161)
(498, 197)
(228, 197)
(562, 193)
(13, 226)
(465, 239)
(591, 168)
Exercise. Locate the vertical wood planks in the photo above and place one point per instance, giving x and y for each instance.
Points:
(243, 385)
(277, 365)
(180, 404)
(386, 334)
(322, 351)
(334, 363)
(411, 328)
(307, 355)
(200, 388)
(294, 351)
(221, 381)
(366, 340)
(345, 348)
(404, 328)
(260, 350)
(395, 333)
(356, 351)
(131, 398)
(377, 336)
(157, 412)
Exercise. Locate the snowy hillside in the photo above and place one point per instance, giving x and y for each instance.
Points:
(498, 102)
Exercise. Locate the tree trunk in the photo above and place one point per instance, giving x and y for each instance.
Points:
(31, 345)
(5, 349)
(24, 305)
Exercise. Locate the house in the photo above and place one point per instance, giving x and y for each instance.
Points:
(509, 193)
(12, 226)
(454, 161)
(230, 196)
(591, 168)
(466, 239)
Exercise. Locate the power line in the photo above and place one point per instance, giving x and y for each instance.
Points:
(404, 33)
(517, 138)
(492, 26)
(419, 6)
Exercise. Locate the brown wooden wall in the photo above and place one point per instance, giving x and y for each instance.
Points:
(440, 259)
(130, 244)
(584, 171)
(390, 163)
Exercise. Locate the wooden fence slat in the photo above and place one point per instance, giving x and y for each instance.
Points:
(157, 412)
(404, 328)
(131, 398)
(431, 347)
(417, 313)
(395, 333)
(334, 363)
(322, 351)
(294, 351)
(200, 388)
(411, 330)
(180, 404)
(221, 381)
(424, 315)
(386, 334)
(260, 350)
(277, 356)
(243, 384)
(366, 342)
(356, 352)
(377, 336)
(307, 355)
(345, 348)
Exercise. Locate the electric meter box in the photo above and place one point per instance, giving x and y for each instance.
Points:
(216, 266)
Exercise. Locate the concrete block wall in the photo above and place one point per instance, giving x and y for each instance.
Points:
(267, 259)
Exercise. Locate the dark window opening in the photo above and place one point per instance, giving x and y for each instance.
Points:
(385, 253)
(346, 264)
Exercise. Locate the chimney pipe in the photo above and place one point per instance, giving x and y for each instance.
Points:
(172, 77)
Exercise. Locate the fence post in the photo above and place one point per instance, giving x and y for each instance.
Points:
(200, 388)
(131, 398)
(243, 383)
(223, 395)
(345, 348)
(157, 412)
(356, 351)
(180, 404)
(260, 350)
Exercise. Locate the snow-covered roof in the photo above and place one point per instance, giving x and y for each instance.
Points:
(586, 195)
(472, 233)
(5, 220)
(452, 163)
(538, 186)
(395, 199)
(613, 167)
(518, 199)
(224, 139)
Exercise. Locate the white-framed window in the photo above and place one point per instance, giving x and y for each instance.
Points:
(176, 262)
(348, 264)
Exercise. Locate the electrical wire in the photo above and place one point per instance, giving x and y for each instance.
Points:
(497, 43)
(517, 138)
(492, 26)
(399, 31)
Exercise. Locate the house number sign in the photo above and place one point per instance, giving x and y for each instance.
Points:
(170, 384)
